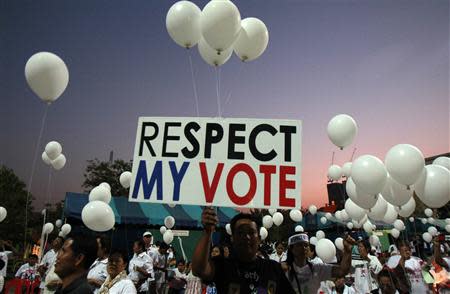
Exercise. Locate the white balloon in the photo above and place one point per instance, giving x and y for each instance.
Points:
(379, 209)
(428, 212)
(263, 233)
(374, 240)
(3, 213)
(183, 23)
(53, 149)
(162, 230)
(106, 185)
(433, 231)
(169, 222)
(313, 241)
(342, 130)
(211, 57)
(46, 159)
(252, 40)
(369, 174)
(267, 221)
(338, 215)
(433, 187)
(312, 209)
(424, 221)
(59, 162)
(447, 228)
(442, 161)
(399, 225)
(396, 193)
(325, 250)
(295, 215)
(395, 233)
(323, 220)
(339, 242)
(411, 219)
(228, 229)
(171, 205)
(447, 221)
(328, 215)
(168, 236)
(335, 172)
(61, 234)
(98, 216)
(350, 225)
(277, 218)
(354, 211)
(368, 227)
(58, 223)
(358, 196)
(408, 208)
(47, 75)
(360, 223)
(405, 163)
(391, 214)
(344, 215)
(125, 179)
(48, 228)
(427, 237)
(272, 211)
(66, 229)
(299, 229)
(100, 193)
(320, 234)
(347, 169)
(430, 220)
(220, 24)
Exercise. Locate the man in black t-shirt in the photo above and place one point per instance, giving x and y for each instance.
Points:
(243, 272)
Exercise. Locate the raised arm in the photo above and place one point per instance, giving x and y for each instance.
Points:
(346, 262)
(201, 264)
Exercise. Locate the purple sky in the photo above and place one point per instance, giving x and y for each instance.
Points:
(386, 63)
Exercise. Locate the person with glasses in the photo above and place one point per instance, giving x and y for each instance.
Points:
(117, 281)
(243, 271)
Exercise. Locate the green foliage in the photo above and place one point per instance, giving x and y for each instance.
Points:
(100, 171)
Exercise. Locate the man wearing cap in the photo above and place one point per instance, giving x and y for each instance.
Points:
(304, 276)
(150, 248)
(243, 272)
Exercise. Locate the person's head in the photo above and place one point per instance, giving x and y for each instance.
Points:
(172, 263)
(215, 251)
(76, 255)
(279, 247)
(245, 236)
(311, 251)
(404, 249)
(32, 259)
(163, 247)
(298, 248)
(339, 283)
(57, 243)
(104, 246)
(226, 251)
(363, 247)
(147, 237)
(386, 282)
(117, 262)
(181, 265)
(138, 246)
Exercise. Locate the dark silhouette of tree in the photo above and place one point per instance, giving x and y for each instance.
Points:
(101, 171)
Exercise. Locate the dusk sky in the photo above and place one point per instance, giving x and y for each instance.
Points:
(386, 63)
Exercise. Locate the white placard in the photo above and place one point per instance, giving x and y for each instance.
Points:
(253, 163)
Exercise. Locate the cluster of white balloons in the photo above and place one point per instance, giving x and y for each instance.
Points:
(125, 179)
(97, 215)
(47, 75)
(166, 230)
(218, 30)
(65, 230)
(3, 213)
(53, 156)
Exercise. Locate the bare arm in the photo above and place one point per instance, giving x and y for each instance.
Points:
(346, 262)
(201, 264)
(437, 253)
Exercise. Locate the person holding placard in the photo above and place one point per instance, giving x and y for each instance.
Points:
(243, 271)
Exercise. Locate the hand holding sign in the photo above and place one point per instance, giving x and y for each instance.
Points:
(209, 219)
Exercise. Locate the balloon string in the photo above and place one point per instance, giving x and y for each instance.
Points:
(48, 185)
(194, 86)
(231, 90)
(353, 154)
(219, 112)
(332, 159)
(30, 182)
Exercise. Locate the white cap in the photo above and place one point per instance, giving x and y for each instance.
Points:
(297, 238)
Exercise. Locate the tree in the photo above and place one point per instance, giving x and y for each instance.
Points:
(13, 197)
(100, 171)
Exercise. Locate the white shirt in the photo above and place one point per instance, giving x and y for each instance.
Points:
(180, 275)
(347, 290)
(48, 260)
(49, 277)
(366, 274)
(161, 261)
(414, 266)
(97, 271)
(309, 277)
(278, 258)
(26, 271)
(4, 257)
(141, 260)
(124, 286)
(316, 260)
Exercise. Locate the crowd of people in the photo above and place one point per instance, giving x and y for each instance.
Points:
(85, 264)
